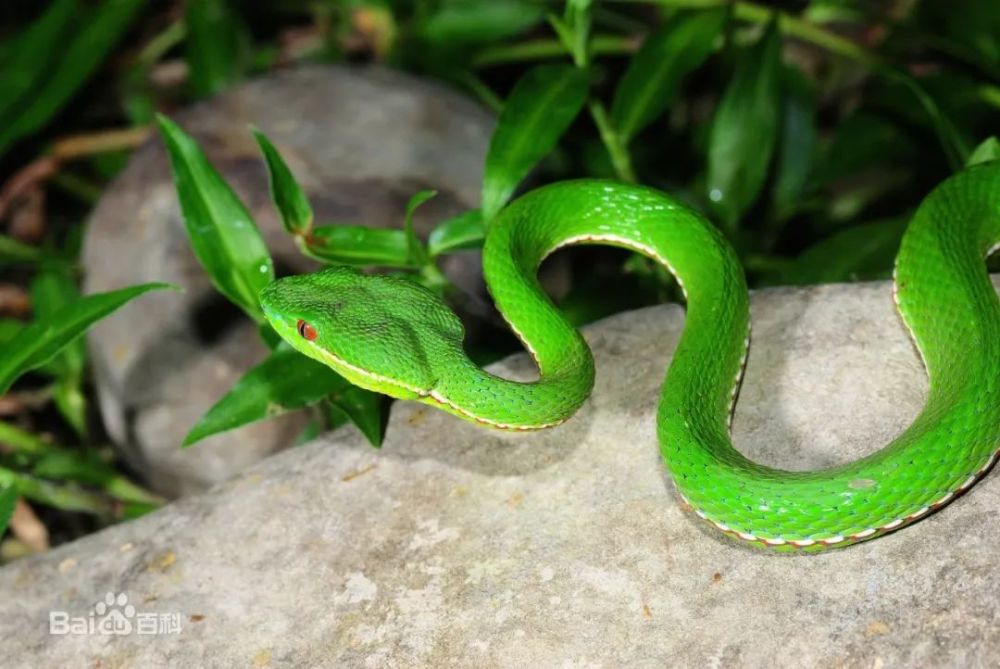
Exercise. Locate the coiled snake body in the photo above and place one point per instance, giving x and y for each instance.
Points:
(395, 337)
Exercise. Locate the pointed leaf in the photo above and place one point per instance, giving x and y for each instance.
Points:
(988, 150)
(285, 381)
(744, 130)
(8, 500)
(13, 251)
(458, 22)
(464, 231)
(45, 337)
(286, 193)
(52, 289)
(222, 233)
(217, 45)
(655, 72)
(358, 245)
(367, 410)
(796, 144)
(538, 111)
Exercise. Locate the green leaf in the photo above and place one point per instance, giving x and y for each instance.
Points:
(464, 231)
(654, 74)
(358, 245)
(538, 111)
(365, 409)
(857, 253)
(222, 233)
(22, 442)
(797, 143)
(95, 33)
(744, 130)
(285, 381)
(71, 402)
(9, 328)
(45, 337)
(415, 250)
(87, 466)
(68, 497)
(988, 150)
(53, 289)
(33, 53)
(13, 251)
(217, 46)
(8, 500)
(286, 193)
(460, 22)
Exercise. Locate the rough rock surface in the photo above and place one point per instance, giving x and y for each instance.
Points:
(455, 546)
(361, 141)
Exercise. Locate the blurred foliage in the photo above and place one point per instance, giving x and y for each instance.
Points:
(809, 131)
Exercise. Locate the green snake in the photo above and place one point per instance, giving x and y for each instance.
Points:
(393, 336)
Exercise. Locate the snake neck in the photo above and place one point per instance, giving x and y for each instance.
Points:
(474, 394)
(597, 212)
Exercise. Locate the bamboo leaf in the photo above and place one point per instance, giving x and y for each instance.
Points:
(988, 150)
(286, 193)
(744, 130)
(654, 74)
(45, 337)
(358, 245)
(796, 144)
(285, 381)
(222, 233)
(8, 500)
(13, 251)
(217, 45)
(538, 111)
(464, 231)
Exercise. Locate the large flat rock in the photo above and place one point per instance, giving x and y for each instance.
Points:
(455, 546)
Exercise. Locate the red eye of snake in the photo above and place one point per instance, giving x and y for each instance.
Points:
(306, 331)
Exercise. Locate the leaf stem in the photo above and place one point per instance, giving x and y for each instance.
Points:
(546, 49)
(620, 159)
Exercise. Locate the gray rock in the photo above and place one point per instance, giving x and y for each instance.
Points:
(453, 546)
(362, 141)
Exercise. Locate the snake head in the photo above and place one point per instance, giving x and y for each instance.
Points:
(379, 332)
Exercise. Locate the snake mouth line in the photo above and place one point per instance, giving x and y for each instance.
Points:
(445, 402)
(872, 532)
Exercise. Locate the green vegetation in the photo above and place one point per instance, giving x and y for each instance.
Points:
(808, 137)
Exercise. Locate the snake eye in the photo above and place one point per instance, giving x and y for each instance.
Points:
(306, 331)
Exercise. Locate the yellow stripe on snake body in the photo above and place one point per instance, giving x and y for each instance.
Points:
(393, 336)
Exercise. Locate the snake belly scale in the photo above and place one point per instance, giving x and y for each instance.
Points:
(393, 336)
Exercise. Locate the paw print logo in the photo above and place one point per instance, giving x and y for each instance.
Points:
(114, 614)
